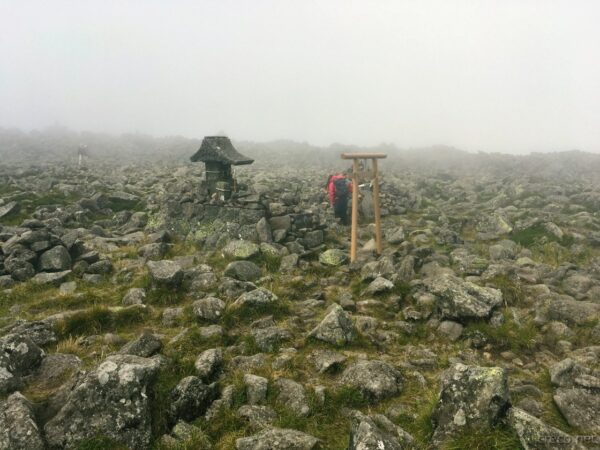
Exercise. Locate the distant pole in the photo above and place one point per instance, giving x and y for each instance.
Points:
(354, 210)
(353, 239)
(376, 207)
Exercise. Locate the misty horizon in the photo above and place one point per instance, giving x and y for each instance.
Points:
(508, 77)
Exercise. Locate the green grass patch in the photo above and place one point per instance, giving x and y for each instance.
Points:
(234, 317)
(512, 291)
(181, 366)
(519, 338)
(100, 443)
(537, 234)
(497, 438)
(164, 296)
(100, 320)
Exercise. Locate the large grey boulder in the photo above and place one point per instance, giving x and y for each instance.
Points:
(336, 328)
(471, 397)
(18, 428)
(165, 272)
(208, 308)
(55, 260)
(243, 270)
(40, 332)
(375, 379)
(458, 299)
(537, 435)
(111, 400)
(377, 432)
(278, 439)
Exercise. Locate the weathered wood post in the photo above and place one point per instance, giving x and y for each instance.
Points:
(355, 182)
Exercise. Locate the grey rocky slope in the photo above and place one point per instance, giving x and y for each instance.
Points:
(133, 312)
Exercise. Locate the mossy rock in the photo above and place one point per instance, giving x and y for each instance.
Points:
(333, 257)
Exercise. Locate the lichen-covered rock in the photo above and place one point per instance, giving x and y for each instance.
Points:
(291, 395)
(255, 298)
(256, 388)
(449, 329)
(134, 296)
(51, 278)
(536, 435)
(570, 311)
(578, 393)
(336, 328)
(40, 332)
(377, 432)
(470, 397)
(278, 439)
(19, 356)
(269, 338)
(145, 345)
(185, 434)
(458, 299)
(241, 249)
(18, 428)
(111, 400)
(208, 308)
(580, 407)
(327, 360)
(378, 286)
(257, 416)
(375, 379)
(209, 363)
(165, 272)
(243, 270)
(55, 260)
(191, 398)
(333, 257)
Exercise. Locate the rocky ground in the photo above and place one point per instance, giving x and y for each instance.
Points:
(134, 314)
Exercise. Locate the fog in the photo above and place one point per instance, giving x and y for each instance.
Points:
(508, 76)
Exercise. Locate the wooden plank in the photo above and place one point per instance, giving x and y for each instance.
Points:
(354, 210)
(377, 208)
(363, 155)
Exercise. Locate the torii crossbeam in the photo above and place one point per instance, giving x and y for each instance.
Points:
(355, 173)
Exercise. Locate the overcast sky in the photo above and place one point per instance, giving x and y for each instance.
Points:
(511, 76)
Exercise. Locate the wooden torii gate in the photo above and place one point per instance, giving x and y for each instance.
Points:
(355, 182)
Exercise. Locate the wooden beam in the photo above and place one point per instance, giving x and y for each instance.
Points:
(354, 210)
(376, 207)
(363, 155)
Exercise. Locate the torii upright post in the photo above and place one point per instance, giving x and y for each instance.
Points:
(355, 177)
